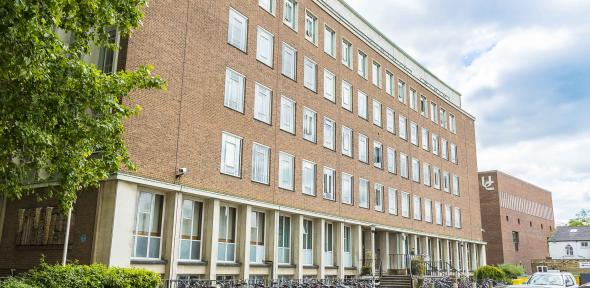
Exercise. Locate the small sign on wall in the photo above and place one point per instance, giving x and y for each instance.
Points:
(585, 265)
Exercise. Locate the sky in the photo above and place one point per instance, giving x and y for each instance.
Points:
(523, 69)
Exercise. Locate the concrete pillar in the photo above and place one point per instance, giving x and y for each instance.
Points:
(373, 249)
(319, 235)
(339, 248)
(446, 253)
(413, 244)
(436, 253)
(383, 237)
(297, 243)
(465, 257)
(482, 255)
(273, 241)
(212, 225)
(424, 247)
(357, 247)
(473, 247)
(403, 250)
(455, 248)
(174, 213)
(244, 230)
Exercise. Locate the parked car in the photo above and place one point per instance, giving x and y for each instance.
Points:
(585, 285)
(550, 279)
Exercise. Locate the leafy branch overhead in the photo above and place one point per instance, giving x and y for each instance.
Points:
(61, 118)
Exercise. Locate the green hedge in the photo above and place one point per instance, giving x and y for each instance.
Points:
(84, 276)
(512, 271)
(489, 273)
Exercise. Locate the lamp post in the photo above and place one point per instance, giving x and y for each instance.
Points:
(67, 239)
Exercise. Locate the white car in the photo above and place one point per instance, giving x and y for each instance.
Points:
(550, 279)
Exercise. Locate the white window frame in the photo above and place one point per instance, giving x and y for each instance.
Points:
(363, 148)
(433, 112)
(259, 150)
(452, 123)
(402, 127)
(437, 177)
(346, 188)
(376, 74)
(286, 248)
(271, 8)
(309, 125)
(152, 215)
(347, 92)
(448, 215)
(377, 154)
(401, 91)
(310, 74)
(443, 118)
(363, 102)
(291, 23)
(264, 46)
(415, 170)
(257, 245)
(457, 218)
(413, 99)
(329, 133)
(392, 201)
(438, 213)
(229, 245)
(347, 141)
(426, 174)
(289, 71)
(308, 188)
(454, 153)
(389, 83)
(390, 120)
(425, 139)
(377, 113)
(456, 185)
(434, 143)
(417, 207)
(237, 157)
(288, 160)
(414, 133)
(288, 110)
(238, 103)
(379, 197)
(347, 53)
(329, 183)
(262, 107)
(391, 161)
(444, 145)
(311, 32)
(363, 64)
(329, 85)
(423, 106)
(405, 204)
(446, 181)
(403, 165)
(330, 37)
(233, 16)
(428, 210)
(363, 190)
(193, 236)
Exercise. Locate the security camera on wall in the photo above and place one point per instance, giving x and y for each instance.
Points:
(181, 171)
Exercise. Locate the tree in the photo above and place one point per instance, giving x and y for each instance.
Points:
(61, 119)
(582, 219)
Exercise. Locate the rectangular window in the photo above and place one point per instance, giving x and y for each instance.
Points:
(264, 46)
(226, 244)
(392, 197)
(433, 112)
(237, 31)
(329, 133)
(346, 141)
(403, 164)
(443, 118)
(389, 83)
(516, 240)
(284, 247)
(362, 64)
(438, 212)
(453, 153)
(446, 182)
(309, 124)
(257, 237)
(401, 91)
(436, 178)
(268, 5)
(448, 215)
(363, 148)
(329, 183)
(191, 231)
(376, 74)
(346, 53)
(329, 85)
(347, 246)
(405, 205)
(363, 193)
(328, 245)
(347, 188)
(423, 106)
(310, 78)
(376, 113)
(457, 217)
(391, 160)
(286, 171)
(147, 235)
(390, 120)
(289, 62)
(362, 105)
(426, 173)
(434, 144)
(290, 14)
(414, 133)
(413, 100)
(417, 208)
(311, 28)
(308, 178)
(231, 150)
(456, 185)
(346, 96)
(444, 149)
(107, 57)
(379, 197)
(377, 154)
(428, 210)
(260, 163)
(425, 141)
(234, 90)
(329, 41)
(262, 103)
(452, 123)
(403, 129)
(287, 115)
(415, 170)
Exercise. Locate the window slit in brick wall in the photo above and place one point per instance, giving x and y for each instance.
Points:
(41, 226)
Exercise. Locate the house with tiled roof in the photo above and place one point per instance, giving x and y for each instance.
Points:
(570, 243)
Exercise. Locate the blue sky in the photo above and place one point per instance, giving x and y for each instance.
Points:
(523, 68)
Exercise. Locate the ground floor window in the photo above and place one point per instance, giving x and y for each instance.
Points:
(148, 226)
(190, 237)
(226, 249)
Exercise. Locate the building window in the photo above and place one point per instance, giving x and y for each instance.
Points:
(284, 240)
(378, 197)
(363, 193)
(268, 5)
(448, 215)
(311, 28)
(309, 124)
(516, 240)
(423, 106)
(147, 236)
(40, 226)
(433, 112)
(434, 144)
(569, 250)
(289, 61)
(346, 96)
(310, 78)
(376, 113)
(391, 160)
(329, 133)
(389, 83)
(362, 105)
(444, 146)
(446, 182)
(376, 74)
(363, 148)
(346, 141)
(234, 90)
(413, 100)
(428, 210)
(403, 128)
(362, 64)
(377, 154)
(401, 91)
(329, 85)
(257, 237)
(260, 163)
(455, 185)
(417, 208)
(415, 170)
(425, 139)
(329, 183)
(231, 150)
(308, 177)
(426, 173)
(390, 120)
(403, 164)
(190, 237)
(392, 197)
(237, 31)
(307, 236)
(290, 14)
(346, 53)
(347, 246)
(329, 41)
(107, 57)
(453, 153)
(438, 212)
(286, 171)
(414, 133)
(457, 217)
(262, 103)
(436, 178)
(264, 47)
(226, 248)
(405, 205)
(287, 115)
(443, 118)
(328, 245)
(452, 123)
(347, 188)
(583, 244)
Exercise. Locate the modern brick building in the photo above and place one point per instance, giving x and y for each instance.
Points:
(518, 219)
(312, 144)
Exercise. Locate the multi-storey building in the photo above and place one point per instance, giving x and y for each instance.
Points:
(518, 219)
(294, 140)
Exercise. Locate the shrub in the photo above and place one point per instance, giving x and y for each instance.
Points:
(512, 271)
(489, 272)
(418, 266)
(15, 283)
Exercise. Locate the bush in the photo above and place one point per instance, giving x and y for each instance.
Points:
(489, 272)
(15, 283)
(418, 266)
(512, 271)
(365, 270)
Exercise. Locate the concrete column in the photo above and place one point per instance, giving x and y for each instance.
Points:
(244, 230)
(413, 244)
(455, 248)
(272, 234)
(473, 247)
(402, 250)
(357, 247)
(383, 237)
(372, 249)
(436, 253)
(339, 248)
(319, 235)
(446, 253)
(212, 225)
(424, 247)
(174, 212)
(482, 255)
(297, 243)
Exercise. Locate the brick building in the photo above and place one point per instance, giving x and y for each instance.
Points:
(312, 144)
(518, 219)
